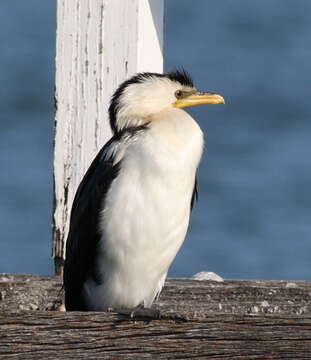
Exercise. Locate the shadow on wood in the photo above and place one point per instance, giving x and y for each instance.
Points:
(212, 320)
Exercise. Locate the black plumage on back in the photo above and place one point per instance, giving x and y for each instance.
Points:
(84, 234)
(83, 237)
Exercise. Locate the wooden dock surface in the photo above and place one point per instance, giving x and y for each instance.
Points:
(234, 319)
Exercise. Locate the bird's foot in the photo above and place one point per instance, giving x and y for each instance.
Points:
(140, 313)
(148, 314)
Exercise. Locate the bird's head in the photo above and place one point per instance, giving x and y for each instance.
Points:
(147, 94)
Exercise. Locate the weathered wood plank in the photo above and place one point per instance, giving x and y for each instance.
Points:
(55, 335)
(233, 319)
(192, 299)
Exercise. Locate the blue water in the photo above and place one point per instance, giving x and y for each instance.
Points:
(253, 215)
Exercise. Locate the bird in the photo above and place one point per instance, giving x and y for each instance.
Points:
(131, 211)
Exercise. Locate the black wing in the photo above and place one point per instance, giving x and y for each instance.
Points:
(84, 234)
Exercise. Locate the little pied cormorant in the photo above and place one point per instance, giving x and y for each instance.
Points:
(131, 211)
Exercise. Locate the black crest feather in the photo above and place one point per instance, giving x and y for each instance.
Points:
(181, 76)
(178, 75)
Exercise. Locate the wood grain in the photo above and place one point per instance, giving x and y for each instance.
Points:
(192, 298)
(234, 319)
(54, 335)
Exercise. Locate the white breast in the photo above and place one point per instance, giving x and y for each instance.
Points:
(146, 212)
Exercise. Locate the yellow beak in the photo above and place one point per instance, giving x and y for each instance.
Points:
(198, 99)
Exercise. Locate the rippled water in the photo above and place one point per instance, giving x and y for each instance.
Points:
(253, 215)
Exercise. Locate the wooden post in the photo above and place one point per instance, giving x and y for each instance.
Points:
(99, 44)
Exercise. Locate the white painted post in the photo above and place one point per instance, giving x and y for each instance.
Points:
(99, 44)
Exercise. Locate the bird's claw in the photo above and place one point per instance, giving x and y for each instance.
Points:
(140, 313)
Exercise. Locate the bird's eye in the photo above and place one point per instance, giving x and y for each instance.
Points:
(179, 94)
